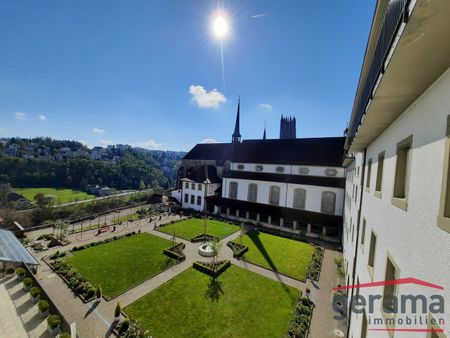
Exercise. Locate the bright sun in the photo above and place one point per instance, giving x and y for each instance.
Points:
(220, 26)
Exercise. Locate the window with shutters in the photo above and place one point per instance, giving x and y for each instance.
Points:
(252, 192)
(299, 198)
(233, 190)
(274, 195)
(328, 205)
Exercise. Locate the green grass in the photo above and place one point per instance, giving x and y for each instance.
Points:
(61, 195)
(190, 228)
(289, 257)
(123, 263)
(240, 304)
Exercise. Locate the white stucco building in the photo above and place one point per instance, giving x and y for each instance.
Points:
(292, 185)
(397, 200)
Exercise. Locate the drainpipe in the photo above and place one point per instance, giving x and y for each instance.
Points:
(363, 172)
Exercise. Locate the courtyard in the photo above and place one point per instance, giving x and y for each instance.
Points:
(255, 296)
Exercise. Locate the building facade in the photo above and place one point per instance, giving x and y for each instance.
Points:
(290, 185)
(397, 199)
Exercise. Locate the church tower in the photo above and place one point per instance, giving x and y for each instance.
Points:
(288, 127)
(236, 137)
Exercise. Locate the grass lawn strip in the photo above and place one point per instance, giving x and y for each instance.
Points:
(240, 304)
(190, 228)
(122, 264)
(286, 256)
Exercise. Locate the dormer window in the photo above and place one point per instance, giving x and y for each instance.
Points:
(280, 169)
(303, 171)
(240, 167)
(259, 168)
(330, 172)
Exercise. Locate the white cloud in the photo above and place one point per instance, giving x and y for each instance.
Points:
(205, 99)
(149, 144)
(105, 142)
(209, 140)
(98, 131)
(265, 106)
(20, 116)
(42, 118)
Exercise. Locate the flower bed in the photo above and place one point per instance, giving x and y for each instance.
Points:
(204, 238)
(238, 249)
(130, 328)
(176, 252)
(316, 264)
(79, 285)
(85, 246)
(301, 319)
(212, 269)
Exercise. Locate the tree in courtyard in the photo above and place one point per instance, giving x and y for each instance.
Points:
(216, 246)
(61, 227)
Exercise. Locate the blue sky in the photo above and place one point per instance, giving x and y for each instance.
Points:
(149, 73)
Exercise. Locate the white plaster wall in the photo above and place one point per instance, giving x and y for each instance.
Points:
(313, 193)
(288, 169)
(418, 246)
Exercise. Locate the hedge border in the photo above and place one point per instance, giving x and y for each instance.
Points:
(174, 252)
(202, 267)
(237, 253)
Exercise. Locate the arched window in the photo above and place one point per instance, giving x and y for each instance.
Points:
(328, 205)
(252, 192)
(274, 195)
(233, 190)
(299, 198)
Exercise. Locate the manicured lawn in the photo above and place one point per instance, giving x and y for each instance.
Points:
(61, 195)
(289, 257)
(190, 228)
(122, 263)
(241, 304)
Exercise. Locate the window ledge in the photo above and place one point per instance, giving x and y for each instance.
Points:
(377, 194)
(367, 189)
(443, 223)
(400, 203)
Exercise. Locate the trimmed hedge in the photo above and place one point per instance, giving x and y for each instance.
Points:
(85, 246)
(176, 252)
(211, 269)
(204, 238)
(316, 264)
(301, 319)
(238, 249)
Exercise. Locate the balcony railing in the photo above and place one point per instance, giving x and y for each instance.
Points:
(395, 14)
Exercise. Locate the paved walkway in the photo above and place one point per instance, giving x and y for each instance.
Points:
(19, 316)
(94, 320)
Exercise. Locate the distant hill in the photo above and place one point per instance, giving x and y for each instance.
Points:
(45, 162)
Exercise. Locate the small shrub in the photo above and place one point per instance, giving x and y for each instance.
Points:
(43, 305)
(27, 281)
(65, 335)
(9, 271)
(35, 291)
(20, 272)
(117, 310)
(53, 321)
(90, 292)
(123, 326)
(99, 292)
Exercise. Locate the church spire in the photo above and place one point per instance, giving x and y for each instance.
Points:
(264, 134)
(236, 137)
